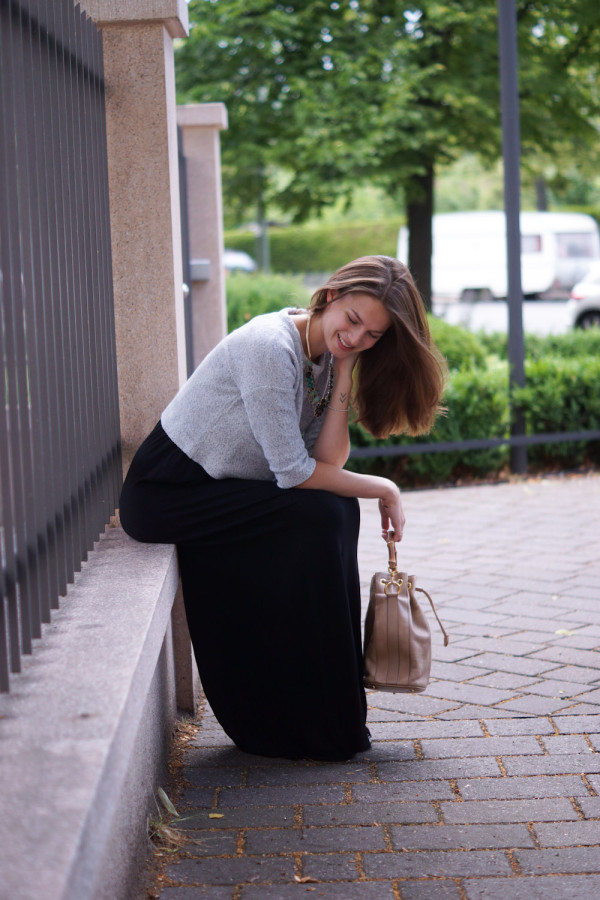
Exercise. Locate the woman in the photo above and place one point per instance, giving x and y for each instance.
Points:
(244, 473)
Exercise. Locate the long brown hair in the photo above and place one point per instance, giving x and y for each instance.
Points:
(400, 380)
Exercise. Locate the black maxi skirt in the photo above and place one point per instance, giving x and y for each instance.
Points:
(272, 598)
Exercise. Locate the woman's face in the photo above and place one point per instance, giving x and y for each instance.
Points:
(353, 323)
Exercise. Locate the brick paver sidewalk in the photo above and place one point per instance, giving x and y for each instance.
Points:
(499, 757)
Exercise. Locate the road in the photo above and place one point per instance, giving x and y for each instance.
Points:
(539, 316)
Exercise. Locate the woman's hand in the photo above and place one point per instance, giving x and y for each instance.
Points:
(392, 514)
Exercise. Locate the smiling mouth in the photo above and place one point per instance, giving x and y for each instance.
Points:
(343, 343)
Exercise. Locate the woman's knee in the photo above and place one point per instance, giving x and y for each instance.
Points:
(327, 511)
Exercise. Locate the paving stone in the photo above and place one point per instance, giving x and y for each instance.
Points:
(416, 705)
(231, 870)
(568, 834)
(421, 769)
(579, 674)
(385, 751)
(512, 646)
(456, 653)
(467, 711)
(519, 725)
(571, 656)
(570, 887)
(590, 807)
(457, 837)
(561, 690)
(310, 774)
(395, 813)
(594, 780)
(222, 758)
(579, 709)
(590, 697)
(505, 681)
(484, 746)
(575, 860)
(212, 843)
(241, 817)
(284, 795)
(449, 671)
(515, 787)
(516, 664)
(403, 790)
(452, 614)
(488, 811)
(440, 863)
(536, 705)
(582, 641)
(211, 892)
(438, 889)
(205, 777)
(563, 764)
(385, 715)
(411, 731)
(345, 891)
(199, 797)
(315, 840)
(578, 724)
(595, 741)
(468, 693)
(330, 867)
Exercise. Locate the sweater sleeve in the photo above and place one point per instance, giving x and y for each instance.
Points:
(269, 379)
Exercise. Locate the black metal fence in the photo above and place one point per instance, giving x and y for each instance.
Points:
(60, 465)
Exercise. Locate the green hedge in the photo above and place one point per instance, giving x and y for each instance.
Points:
(573, 344)
(561, 395)
(321, 248)
(252, 295)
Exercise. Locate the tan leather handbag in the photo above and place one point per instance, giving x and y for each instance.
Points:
(397, 648)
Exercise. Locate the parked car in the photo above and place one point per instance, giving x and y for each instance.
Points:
(584, 302)
(237, 260)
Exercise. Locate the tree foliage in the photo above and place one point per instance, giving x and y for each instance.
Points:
(331, 92)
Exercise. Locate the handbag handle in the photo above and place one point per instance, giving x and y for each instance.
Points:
(392, 558)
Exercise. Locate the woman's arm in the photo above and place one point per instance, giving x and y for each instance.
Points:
(333, 444)
(327, 477)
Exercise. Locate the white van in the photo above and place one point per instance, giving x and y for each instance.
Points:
(469, 252)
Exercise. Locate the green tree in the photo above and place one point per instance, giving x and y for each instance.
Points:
(334, 93)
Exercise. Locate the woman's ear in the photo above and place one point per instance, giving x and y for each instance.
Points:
(331, 295)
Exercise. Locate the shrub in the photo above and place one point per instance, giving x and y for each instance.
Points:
(461, 348)
(252, 295)
(572, 344)
(561, 395)
(321, 248)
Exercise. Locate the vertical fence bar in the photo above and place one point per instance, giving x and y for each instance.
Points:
(60, 464)
(511, 150)
(14, 344)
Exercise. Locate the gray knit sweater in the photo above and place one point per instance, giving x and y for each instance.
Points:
(245, 411)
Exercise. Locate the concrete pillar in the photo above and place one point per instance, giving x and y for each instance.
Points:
(145, 219)
(200, 125)
(144, 205)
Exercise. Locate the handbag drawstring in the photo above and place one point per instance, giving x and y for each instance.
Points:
(423, 591)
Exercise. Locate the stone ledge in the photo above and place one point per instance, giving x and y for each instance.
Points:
(85, 731)
(173, 14)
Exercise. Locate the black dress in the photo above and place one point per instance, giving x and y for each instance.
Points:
(271, 590)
